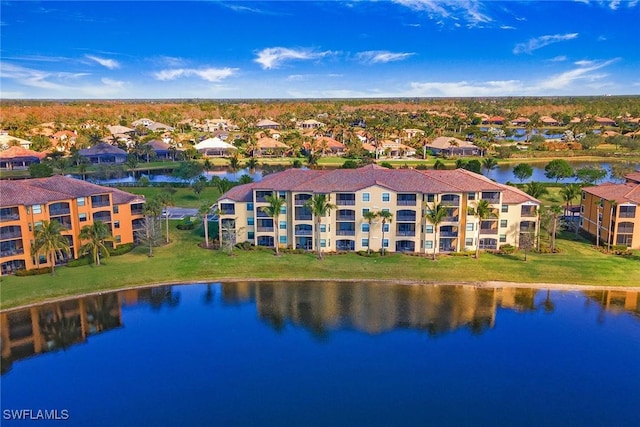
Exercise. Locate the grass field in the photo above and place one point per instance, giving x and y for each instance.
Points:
(183, 261)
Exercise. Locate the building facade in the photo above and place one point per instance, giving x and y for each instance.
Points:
(610, 212)
(406, 193)
(25, 204)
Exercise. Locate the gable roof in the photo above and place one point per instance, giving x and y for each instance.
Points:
(16, 151)
(44, 190)
(213, 143)
(158, 145)
(102, 148)
(265, 143)
(444, 142)
(628, 192)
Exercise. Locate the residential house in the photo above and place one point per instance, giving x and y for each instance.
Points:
(103, 152)
(409, 134)
(406, 193)
(310, 124)
(449, 146)
(17, 157)
(549, 121)
(73, 203)
(267, 124)
(604, 121)
(520, 121)
(7, 141)
(270, 147)
(161, 149)
(152, 126)
(63, 140)
(327, 146)
(610, 212)
(215, 147)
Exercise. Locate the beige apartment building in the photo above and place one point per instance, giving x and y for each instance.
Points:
(406, 193)
(609, 212)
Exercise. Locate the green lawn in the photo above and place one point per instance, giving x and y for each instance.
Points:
(183, 197)
(183, 261)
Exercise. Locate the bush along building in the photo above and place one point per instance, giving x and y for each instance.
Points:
(26, 204)
(479, 213)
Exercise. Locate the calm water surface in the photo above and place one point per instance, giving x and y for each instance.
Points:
(328, 354)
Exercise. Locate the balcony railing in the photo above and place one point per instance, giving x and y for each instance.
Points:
(346, 202)
(59, 211)
(346, 217)
(346, 233)
(406, 233)
(303, 217)
(304, 232)
(448, 234)
(9, 217)
(450, 219)
(492, 200)
(67, 224)
(402, 202)
(450, 202)
(99, 203)
(264, 229)
(227, 211)
(488, 231)
(406, 218)
(627, 215)
(11, 252)
(11, 235)
(301, 202)
(528, 214)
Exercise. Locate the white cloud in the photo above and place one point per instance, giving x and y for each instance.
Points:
(542, 41)
(37, 78)
(559, 58)
(381, 56)
(112, 83)
(274, 57)
(465, 88)
(108, 63)
(438, 10)
(208, 74)
(583, 73)
(507, 27)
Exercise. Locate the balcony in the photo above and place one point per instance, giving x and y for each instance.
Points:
(303, 217)
(450, 200)
(261, 196)
(448, 234)
(410, 233)
(227, 209)
(528, 212)
(345, 232)
(303, 232)
(492, 197)
(10, 232)
(65, 222)
(102, 216)
(406, 216)
(100, 201)
(137, 209)
(264, 229)
(59, 211)
(11, 214)
(301, 199)
(451, 219)
(11, 252)
(406, 202)
(346, 202)
(343, 216)
(488, 231)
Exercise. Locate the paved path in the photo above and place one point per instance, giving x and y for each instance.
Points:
(181, 213)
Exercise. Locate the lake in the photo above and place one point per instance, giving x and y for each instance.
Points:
(327, 353)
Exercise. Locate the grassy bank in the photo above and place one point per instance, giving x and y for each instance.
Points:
(183, 260)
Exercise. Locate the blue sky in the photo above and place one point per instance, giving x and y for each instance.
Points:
(329, 49)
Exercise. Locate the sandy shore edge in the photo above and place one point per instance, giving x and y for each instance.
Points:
(485, 285)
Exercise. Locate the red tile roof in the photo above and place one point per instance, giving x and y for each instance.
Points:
(17, 151)
(45, 190)
(621, 193)
(633, 176)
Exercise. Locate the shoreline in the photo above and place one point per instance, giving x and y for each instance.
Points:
(491, 284)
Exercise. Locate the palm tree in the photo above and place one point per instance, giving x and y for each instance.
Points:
(555, 212)
(273, 210)
(386, 216)
(369, 216)
(203, 213)
(320, 206)
(151, 210)
(535, 189)
(483, 211)
(96, 235)
(489, 163)
(165, 200)
(568, 193)
(50, 241)
(435, 216)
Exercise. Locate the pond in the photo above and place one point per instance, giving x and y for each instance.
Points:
(327, 353)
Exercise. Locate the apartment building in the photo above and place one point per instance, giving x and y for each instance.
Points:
(609, 212)
(406, 193)
(74, 203)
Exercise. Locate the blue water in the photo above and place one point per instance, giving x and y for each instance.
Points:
(344, 354)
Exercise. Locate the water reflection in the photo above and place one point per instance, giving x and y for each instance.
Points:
(319, 307)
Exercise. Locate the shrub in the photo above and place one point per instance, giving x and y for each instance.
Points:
(507, 249)
(34, 272)
(122, 249)
(186, 224)
(84, 260)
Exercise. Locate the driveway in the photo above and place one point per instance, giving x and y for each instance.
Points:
(180, 213)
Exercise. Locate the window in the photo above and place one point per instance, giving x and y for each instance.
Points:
(250, 206)
(430, 197)
(366, 197)
(118, 239)
(37, 209)
(82, 217)
(116, 224)
(250, 221)
(282, 194)
(283, 210)
(503, 238)
(428, 244)
(365, 227)
(471, 196)
(283, 225)
(385, 228)
(468, 241)
(251, 235)
(584, 195)
(429, 229)
(581, 208)
(323, 243)
(116, 209)
(470, 226)
(283, 240)
(505, 208)
(385, 197)
(385, 210)
(385, 243)
(323, 228)
(364, 211)
(503, 223)
(81, 201)
(365, 243)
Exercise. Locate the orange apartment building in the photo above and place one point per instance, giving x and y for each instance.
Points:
(610, 212)
(74, 203)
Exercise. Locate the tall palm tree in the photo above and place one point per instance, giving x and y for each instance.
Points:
(387, 217)
(482, 212)
(555, 212)
(568, 193)
(535, 189)
(320, 206)
(203, 213)
(435, 216)
(49, 241)
(165, 200)
(489, 163)
(96, 235)
(273, 210)
(369, 216)
(152, 211)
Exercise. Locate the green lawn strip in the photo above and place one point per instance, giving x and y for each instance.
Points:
(184, 197)
(184, 261)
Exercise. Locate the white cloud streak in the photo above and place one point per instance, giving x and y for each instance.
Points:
(274, 57)
(381, 56)
(111, 64)
(542, 41)
(208, 74)
(583, 73)
(437, 10)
